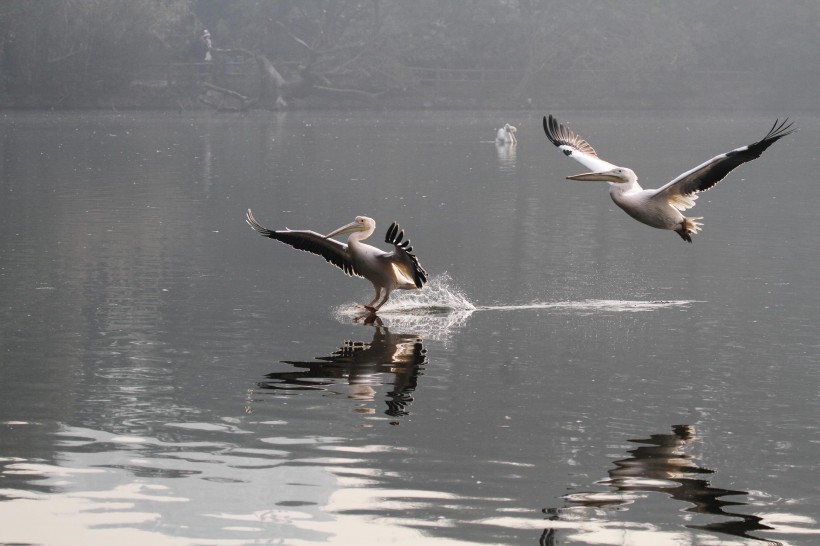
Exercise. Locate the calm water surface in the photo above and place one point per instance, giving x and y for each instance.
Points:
(568, 376)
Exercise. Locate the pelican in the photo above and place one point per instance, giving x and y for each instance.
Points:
(387, 271)
(506, 135)
(660, 208)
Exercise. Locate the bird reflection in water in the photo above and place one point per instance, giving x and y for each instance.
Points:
(506, 155)
(388, 359)
(661, 465)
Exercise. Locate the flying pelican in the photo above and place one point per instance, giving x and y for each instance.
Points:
(386, 270)
(660, 208)
(506, 135)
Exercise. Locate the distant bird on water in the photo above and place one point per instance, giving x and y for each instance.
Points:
(660, 208)
(387, 271)
(506, 135)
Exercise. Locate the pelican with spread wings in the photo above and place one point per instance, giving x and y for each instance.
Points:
(660, 208)
(387, 271)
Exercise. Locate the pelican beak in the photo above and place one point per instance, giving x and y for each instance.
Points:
(348, 228)
(604, 176)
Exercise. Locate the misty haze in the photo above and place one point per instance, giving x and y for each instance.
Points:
(548, 367)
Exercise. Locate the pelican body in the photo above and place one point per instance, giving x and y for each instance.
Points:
(506, 135)
(387, 271)
(662, 207)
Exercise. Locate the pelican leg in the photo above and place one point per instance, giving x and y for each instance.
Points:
(688, 227)
(369, 306)
(384, 300)
(684, 234)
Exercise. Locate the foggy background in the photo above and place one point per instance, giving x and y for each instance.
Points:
(398, 54)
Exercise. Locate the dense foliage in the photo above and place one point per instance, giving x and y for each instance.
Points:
(55, 52)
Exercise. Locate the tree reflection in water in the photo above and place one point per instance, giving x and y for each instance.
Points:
(388, 359)
(661, 465)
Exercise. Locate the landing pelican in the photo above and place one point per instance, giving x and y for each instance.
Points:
(660, 208)
(506, 135)
(385, 270)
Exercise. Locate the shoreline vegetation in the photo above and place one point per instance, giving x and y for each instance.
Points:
(384, 54)
(190, 86)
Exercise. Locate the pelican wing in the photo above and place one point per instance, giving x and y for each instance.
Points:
(402, 256)
(331, 250)
(574, 146)
(681, 192)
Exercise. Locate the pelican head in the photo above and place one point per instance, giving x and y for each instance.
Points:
(362, 224)
(618, 175)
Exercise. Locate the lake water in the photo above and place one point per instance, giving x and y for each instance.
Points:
(568, 376)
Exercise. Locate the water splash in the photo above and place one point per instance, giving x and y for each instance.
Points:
(440, 296)
(441, 308)
(594, 306)
(433, 313)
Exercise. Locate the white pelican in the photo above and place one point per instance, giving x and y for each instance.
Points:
(506, 135)
(386, 270)
(660, 208)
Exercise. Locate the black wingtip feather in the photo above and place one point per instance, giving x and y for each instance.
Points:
(391, 232)
(394, 237)
(394, 234)
(551, 130)
(307, 241)
(251, 221)
(779, 131)
(561, 135)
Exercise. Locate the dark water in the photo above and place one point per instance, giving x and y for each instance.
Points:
(567, 377)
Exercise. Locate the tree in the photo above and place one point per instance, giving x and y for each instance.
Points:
(57, 51)
(325, 48)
